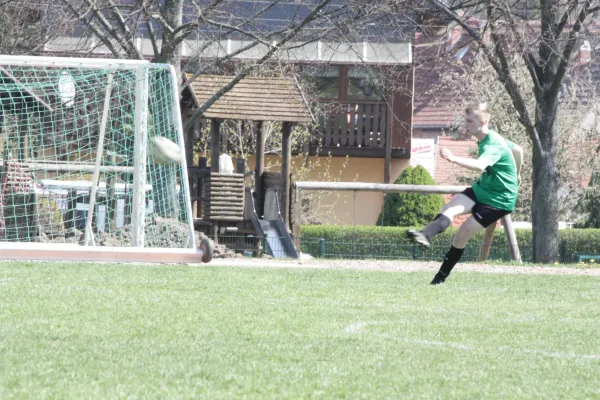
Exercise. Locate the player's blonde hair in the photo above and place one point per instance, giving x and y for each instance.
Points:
(479, 109)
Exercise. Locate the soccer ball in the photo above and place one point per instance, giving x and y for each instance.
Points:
(165, 151)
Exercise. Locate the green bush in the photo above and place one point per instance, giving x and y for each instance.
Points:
(411, 209)
(391, 242)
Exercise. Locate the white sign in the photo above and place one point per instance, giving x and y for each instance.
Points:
(423, 153)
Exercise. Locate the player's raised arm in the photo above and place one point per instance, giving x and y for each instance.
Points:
(479, 164)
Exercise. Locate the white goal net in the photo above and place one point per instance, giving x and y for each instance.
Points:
(76, 164)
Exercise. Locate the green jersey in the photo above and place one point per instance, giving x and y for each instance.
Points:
(499, 185)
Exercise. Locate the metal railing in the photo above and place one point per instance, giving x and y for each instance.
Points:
(255, 246)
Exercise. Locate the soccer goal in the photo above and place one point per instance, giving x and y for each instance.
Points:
(76, 165)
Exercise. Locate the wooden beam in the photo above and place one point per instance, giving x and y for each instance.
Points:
(296, 215)
(286, 154)
(259, 169)
(486, 245)
(240, 166)
(511, 238)
(387, 159)
(189, 142)
(403, 111)
(215, 144)
(378, 187)
(189, 158)
(366, 152)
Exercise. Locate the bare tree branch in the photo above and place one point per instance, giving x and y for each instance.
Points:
(184, 29)
(291, 33)
(568, 49)
(121, 20)
(236, 29)
(500, 66)
(153, 38)
(96, 30)
(227, 57)
(127, 45)
(532, 65)
(565, 18)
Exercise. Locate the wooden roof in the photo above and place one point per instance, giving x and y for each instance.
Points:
(256, 99)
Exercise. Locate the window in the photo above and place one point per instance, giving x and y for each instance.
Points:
(324, 79)
(364, 83)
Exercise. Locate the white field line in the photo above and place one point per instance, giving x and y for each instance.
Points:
(354, 328)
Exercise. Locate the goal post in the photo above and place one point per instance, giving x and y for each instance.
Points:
(140, 154)
(74, 156)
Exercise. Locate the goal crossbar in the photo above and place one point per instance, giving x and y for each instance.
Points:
(68, 62)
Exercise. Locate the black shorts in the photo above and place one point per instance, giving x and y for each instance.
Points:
(484, 214)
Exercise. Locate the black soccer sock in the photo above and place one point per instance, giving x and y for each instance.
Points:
(439, 224)
(450, 260)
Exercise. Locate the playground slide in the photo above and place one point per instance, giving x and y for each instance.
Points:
(279, 241)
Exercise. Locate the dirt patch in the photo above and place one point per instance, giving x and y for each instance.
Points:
(408, 266)
(159, 232)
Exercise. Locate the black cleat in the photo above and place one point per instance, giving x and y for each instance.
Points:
(418, 238)
(439, 278)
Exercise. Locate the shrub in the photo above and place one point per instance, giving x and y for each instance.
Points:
(589, 205)
(411, 209)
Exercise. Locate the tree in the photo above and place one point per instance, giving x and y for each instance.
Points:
(23, 27)
(473, 78)
(269, 29)
(546, 49)
(411, 209)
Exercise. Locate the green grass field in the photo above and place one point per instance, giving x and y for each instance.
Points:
(106, 331)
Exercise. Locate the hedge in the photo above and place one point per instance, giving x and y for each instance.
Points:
(410, 209)
(391, 242)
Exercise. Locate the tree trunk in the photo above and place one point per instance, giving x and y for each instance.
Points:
(171, 52)
(164, 182)
(544, 206)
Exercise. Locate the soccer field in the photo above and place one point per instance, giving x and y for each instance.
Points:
(121, 331)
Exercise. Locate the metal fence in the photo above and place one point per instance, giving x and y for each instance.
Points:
(401, 251)
(255, 246)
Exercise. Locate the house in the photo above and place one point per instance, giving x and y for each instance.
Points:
(355, 136)
(358, 133)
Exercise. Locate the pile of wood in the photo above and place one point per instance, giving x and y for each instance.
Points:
(223, 197)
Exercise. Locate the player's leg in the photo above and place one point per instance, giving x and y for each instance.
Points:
(461, 204)
(483, 216)
(466, 231)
